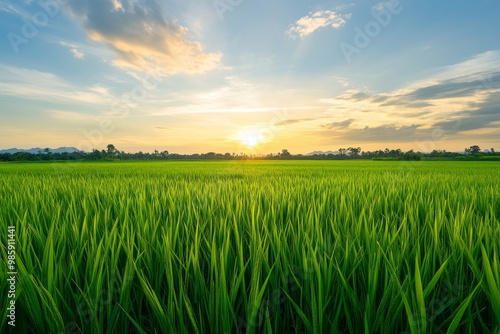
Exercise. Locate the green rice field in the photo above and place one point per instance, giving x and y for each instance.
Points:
(253, 247)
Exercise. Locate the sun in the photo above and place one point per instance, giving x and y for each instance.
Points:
(250, 138)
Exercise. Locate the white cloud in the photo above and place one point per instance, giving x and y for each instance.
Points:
(73, 49)
(117, 5)
(141, 37)
(317, 21)
(342, 81)
(386, 5)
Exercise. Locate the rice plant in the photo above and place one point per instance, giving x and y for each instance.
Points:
(253, 247)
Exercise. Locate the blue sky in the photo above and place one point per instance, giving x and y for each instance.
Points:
(249, 76)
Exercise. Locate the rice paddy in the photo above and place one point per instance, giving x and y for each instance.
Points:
(253, 247)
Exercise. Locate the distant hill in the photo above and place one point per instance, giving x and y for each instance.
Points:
(37, 150)
(323, 152)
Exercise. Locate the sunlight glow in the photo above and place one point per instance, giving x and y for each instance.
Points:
(250, 138)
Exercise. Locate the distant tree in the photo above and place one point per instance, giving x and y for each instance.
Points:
(436, 153)
(112, 151)
(342, 151)
(397, 153)
(473, 150)
(411, 155)
(95, 155)
(354, 151)
(285, 154)
(5, 157)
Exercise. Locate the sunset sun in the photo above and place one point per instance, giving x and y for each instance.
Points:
(250, 138)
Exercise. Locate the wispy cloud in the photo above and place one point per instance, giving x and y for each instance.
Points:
(7, 7)
(236, 95)
(141, 37)
(72, 116)
(459, 99)
(293, 121)
(343, 81)
(386, 5)
(42, 86)
(385, 132)
(73, 49)
(307, 25)
(339, 125)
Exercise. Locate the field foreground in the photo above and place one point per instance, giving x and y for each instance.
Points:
(253, 247)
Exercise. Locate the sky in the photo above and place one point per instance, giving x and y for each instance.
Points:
(255, 77)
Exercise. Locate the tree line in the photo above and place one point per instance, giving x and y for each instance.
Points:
(111, 153)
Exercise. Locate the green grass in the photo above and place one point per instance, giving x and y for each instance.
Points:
(254, 247)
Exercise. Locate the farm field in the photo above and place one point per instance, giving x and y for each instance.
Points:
(253, 246)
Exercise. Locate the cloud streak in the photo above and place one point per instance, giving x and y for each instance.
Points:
(73, 49)
(381, 133)
(339, 125)
(293, 121)
(42, 86)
